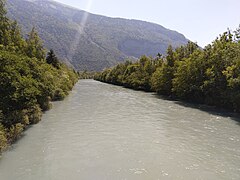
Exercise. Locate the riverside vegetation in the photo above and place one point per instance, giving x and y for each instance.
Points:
(210, 75)
(28, 80)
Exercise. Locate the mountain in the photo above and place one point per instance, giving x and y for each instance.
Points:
(88, 41)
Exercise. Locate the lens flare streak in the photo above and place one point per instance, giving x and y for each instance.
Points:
(80, 31)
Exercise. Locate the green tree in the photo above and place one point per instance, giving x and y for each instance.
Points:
(161, 80)
(17, 42)
(4, 25)
(170, 56)
(218, 57)
(52, 59)
(35, 45)
(162, 77)
(189, 77)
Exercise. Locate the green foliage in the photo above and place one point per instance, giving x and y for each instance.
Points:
(170, 58)
(210, 75)
(15, 132)
(33, 114)
(189, 77)
(162, 79)
(10, 34)
(27, 82)
(52, 59)
(4, 23)
(34, 46)
(133, 75)
(3, 138)
(86, 75)
(1, 116)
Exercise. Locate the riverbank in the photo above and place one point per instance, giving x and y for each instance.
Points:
(183, 102)
(206, 76)
(30, 78)
(29, 117)
(24, 101)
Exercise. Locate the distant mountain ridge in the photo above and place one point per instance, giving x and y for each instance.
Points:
(88, 41)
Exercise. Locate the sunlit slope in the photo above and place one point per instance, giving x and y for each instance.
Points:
(89, 41)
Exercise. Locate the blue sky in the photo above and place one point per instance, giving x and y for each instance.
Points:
(199, 20)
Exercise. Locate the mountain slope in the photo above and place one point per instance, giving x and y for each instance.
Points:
(89, 41)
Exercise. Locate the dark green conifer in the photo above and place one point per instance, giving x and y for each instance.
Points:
(52, 59)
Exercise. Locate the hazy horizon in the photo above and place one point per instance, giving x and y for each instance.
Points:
(199, 21)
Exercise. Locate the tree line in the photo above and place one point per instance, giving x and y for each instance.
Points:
(210, 75)
(29, 79)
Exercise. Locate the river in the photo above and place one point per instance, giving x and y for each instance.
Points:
(106, 132)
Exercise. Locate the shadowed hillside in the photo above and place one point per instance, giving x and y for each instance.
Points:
(89, 41)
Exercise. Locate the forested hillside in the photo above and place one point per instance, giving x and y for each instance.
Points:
(210, 75)
(91, 42)
(28, 80)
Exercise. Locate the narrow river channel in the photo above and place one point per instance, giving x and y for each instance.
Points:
(106, 132)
